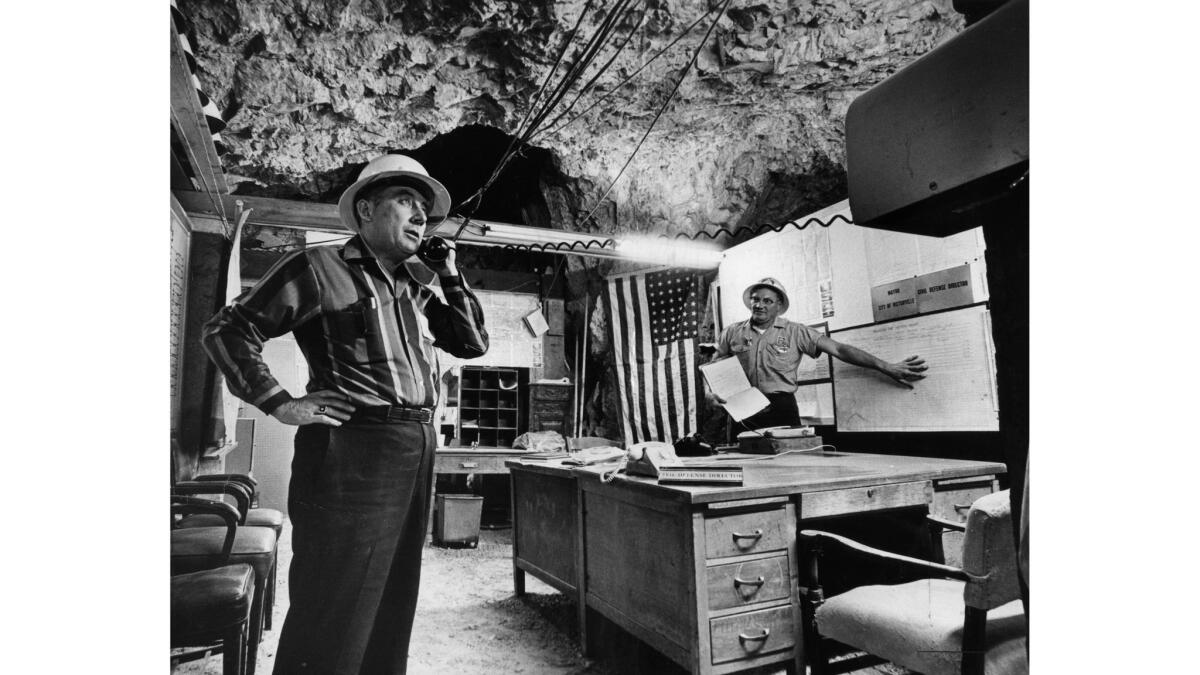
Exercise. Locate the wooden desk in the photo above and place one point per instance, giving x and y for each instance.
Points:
(474, 460)
(708, 575)
(466, 460)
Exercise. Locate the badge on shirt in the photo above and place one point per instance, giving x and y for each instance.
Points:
(781, 344)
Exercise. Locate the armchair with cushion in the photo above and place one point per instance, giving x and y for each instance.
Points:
(967, 620)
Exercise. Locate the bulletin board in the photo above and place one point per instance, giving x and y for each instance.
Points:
(829, 274)
(959, 389)
(511, 343)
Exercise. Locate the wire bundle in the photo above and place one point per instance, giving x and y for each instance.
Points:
(543, 103)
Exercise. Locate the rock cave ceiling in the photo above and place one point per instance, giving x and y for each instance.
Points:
(311, 89)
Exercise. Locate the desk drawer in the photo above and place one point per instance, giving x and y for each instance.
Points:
(744, 583)
(469, 464)
(952, 501)
(742, 533)
(862, 499)
(743, 636)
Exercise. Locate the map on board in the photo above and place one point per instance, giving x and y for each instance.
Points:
(957, 394)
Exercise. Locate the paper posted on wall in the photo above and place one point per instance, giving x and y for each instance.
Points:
(728, 382)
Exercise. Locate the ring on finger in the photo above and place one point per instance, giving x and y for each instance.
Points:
(321, 409)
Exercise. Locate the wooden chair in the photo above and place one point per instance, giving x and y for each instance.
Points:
(967, 620)
(196, 549)
(211, 609)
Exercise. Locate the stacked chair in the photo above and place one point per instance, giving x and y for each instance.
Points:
(244, 491)
(213, 606)
(212, 544)
(967, 620)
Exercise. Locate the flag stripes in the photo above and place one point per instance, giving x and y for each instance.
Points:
(653, 319)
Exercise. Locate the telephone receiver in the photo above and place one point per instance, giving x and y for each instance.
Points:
(644, 459)
(433, 250)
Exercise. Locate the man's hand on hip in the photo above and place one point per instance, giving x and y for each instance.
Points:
(320, 407)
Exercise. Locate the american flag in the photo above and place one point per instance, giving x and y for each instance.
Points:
(654, 319)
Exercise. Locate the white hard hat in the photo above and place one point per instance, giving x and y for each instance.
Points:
(395, 166)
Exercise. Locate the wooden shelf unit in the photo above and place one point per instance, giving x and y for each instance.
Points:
(492, 404)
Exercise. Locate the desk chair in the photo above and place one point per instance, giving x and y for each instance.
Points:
(254, 517)
(965, 620)
(241, 488)
(244, 490)
(196, 549)
(212, 607)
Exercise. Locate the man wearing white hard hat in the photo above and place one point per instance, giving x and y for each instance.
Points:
(363, 463)
(770, 347)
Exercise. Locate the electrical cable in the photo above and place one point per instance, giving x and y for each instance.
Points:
(587, 87)
(734, 234)
(629, 78)
(533, 102)
(687, 69)
(598, 41)
(544, 106)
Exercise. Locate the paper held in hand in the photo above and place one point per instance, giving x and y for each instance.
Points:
(728, 381)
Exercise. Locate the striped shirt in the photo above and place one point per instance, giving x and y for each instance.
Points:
(771, 358)
(365, 333)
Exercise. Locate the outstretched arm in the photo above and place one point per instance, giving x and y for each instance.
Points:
(904, 373)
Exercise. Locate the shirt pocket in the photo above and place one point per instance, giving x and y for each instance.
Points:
(346, 331)
(784, 359)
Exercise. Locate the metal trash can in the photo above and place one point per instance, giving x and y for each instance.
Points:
(456, 520)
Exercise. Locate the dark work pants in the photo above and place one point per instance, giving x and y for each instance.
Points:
(359, 504)
(782, 412)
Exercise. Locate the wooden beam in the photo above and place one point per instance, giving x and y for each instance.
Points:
(188, 119)
(322, 217)
(268, 211)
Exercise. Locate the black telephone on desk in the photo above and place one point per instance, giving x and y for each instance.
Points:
(645, 459)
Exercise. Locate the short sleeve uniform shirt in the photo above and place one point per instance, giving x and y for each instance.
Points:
(771, 358)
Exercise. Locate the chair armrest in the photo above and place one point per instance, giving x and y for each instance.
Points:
(248, 481)
(236, 490)
(184, 506)
(944, 524)
(819, 538)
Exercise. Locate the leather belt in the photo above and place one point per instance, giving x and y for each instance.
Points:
(391, 414)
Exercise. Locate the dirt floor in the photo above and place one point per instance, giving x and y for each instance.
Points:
(468, 622)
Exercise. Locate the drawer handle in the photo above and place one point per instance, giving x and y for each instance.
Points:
(755, 535)
(766, 632)
(749, 582)
(469, 465)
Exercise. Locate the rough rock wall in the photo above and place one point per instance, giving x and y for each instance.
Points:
(313, 88)
(754, 134)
